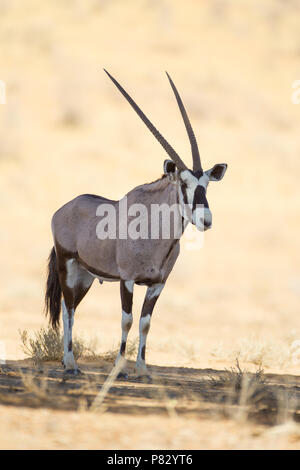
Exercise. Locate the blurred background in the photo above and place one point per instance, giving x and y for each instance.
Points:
(66, 130)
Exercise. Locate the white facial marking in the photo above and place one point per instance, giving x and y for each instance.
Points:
(199, 215)
(203, 180)
(192, 182)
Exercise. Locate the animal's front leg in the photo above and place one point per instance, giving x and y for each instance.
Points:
(152, 295)
(126, 290)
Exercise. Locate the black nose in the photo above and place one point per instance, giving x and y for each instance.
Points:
(207, 225)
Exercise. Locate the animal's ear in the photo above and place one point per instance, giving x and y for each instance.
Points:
(217, 172)
(169, 167)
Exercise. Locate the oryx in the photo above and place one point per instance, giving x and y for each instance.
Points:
(79, 255)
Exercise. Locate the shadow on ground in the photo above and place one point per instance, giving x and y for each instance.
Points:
(264, 398)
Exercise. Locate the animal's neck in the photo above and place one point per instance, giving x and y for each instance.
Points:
(161, 204)
(167, 192)
(161, 191)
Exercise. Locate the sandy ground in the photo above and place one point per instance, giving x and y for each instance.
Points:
(65, 130)
(182, 408)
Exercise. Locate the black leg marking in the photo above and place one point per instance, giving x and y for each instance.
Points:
(126, 291)
(148, 305)
(122, 348)
(143, 352)
(126, 297)
(126, 300)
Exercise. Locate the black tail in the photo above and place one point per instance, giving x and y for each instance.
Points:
(53, 291)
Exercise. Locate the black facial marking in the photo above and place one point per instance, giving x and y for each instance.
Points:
(184, 194)
(199, 197)
(197, 173)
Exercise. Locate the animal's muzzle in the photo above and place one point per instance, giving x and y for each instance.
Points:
(202, 218)
(207, 225)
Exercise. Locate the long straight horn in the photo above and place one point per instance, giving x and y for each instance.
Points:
(190, 132)
(170, 151)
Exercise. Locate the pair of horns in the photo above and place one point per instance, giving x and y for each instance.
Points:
(170, 151)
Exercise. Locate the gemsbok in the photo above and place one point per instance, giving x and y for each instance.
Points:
(113, 249)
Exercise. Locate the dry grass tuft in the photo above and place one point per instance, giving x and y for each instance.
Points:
(251, 393)
(235, 377)
(46, 344)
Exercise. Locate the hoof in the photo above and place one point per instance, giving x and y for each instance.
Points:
(145, 378)
(122, 375)
(72, 372)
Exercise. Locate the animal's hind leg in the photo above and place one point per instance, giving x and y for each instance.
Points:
(126, 290)
(75, 283)
(68, 321)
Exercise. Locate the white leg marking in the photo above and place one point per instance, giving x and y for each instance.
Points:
(144, 329)
(152, 293)
(129, 286)
(69, 360)
(126, 324)
(154, 290)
